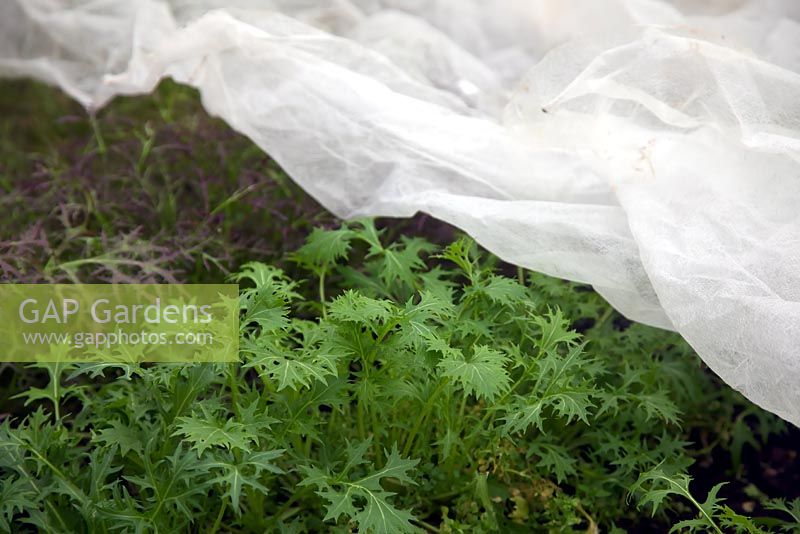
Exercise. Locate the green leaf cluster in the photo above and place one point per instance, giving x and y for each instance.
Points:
(382, 388)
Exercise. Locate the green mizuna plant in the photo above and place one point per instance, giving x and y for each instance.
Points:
(401, 388)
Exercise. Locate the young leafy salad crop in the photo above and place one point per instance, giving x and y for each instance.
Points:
(389, 388)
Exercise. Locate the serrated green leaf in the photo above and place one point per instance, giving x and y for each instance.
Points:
(127, 438)
(354, 307)
(363, 500)
(483, 374)
(325, 247)
(504, 290)
(235, 475)
(206, 431)
(291, 367)
(554, 458)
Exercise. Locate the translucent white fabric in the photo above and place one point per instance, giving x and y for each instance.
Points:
(646, 147)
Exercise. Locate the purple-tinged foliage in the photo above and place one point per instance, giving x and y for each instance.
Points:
(151, 190)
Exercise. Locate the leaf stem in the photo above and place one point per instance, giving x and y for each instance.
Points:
(98, 137)
(696, 504)
(220, 514)
(426, 526)
(461, 411)
(360, 419)
(422, 415)
(322, 292)
(234, 387)
(285, 506)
